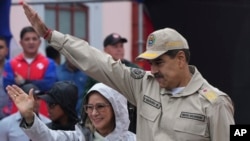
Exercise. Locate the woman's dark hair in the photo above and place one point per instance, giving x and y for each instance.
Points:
(172, 53)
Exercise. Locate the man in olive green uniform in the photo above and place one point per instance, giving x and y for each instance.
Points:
(174, 102)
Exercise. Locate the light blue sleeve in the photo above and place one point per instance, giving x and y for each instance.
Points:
(4, 132)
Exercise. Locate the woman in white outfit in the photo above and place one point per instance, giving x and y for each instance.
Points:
(105, 117)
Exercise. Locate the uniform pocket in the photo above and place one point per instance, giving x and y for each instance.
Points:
(150, 111)
(191, 126)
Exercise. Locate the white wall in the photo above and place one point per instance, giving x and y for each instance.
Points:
(117, 18)
(109, 17)
(95, 25)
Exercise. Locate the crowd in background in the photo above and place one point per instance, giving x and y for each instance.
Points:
(50, 78)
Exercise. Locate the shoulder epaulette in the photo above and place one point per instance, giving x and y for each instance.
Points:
(209, 94)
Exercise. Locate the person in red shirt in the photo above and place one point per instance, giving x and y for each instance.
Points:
(30, 66)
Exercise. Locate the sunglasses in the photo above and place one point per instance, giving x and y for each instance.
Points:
(99, 107)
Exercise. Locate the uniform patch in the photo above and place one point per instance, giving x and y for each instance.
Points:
(137, 73)
(151, 40)
(193, 116)
(151, 102)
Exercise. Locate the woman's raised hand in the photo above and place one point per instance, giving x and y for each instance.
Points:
(24, 102)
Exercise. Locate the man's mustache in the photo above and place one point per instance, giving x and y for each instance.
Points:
(157, 75)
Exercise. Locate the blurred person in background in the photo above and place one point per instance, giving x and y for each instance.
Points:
(30, 66)
(61, 101)
(9, 126)
(53, 54)
(68, 72)
(4, 98)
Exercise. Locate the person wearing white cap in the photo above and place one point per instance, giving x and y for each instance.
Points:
(174, 102)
